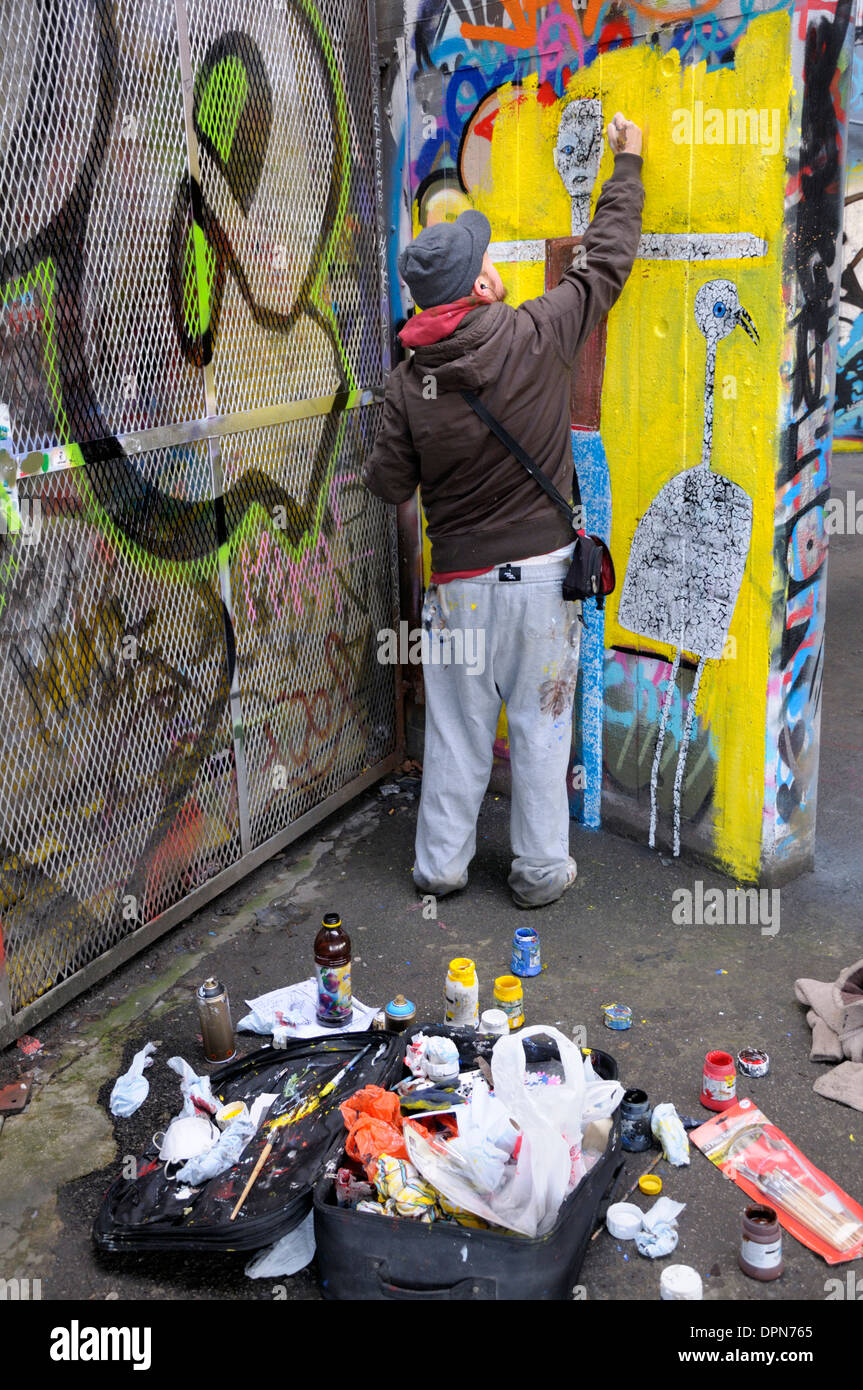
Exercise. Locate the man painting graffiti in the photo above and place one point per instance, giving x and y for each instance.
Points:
(500, 548)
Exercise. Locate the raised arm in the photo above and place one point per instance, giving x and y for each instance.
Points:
(601, 265)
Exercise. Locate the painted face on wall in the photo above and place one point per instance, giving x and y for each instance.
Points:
(578, 148)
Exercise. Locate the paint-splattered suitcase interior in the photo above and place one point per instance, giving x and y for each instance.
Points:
(359, 1255)
(152, 1212)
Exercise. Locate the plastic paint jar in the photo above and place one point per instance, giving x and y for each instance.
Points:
(461, 994)
(680, 1283)
(495, 1023)
(526, 958)
(761, 1244)
(509, 996)
(635, 1113)
(234, 1110)
(719, 1085)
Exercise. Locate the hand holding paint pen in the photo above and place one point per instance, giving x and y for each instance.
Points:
(624, 136)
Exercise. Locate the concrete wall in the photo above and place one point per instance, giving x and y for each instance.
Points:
(698, 707)
(849, 375)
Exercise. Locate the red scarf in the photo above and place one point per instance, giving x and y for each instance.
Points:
(434, 324)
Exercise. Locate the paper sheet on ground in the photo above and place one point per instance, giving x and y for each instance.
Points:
(293, 1008)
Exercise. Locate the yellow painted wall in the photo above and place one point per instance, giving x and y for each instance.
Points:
(652, 403)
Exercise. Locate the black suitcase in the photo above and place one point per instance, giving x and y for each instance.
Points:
(143, 1213)
(364, 1256)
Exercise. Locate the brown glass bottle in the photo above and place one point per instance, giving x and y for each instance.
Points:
(333, 973)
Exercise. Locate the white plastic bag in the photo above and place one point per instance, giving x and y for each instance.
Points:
(549, 1118)
(289, 1255)
(527, 1193)
(131, 1089)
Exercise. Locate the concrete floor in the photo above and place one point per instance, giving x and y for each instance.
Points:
(610, 937)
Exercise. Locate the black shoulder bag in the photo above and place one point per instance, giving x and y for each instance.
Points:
(591, 573)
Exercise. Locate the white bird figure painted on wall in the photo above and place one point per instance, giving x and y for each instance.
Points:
(689, 550)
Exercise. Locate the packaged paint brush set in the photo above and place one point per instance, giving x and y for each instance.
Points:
(766, 1165)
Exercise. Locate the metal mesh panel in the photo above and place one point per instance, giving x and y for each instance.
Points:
(139, 613)
(117, 792)
(287, 179)
(310, 588)
(93, 158)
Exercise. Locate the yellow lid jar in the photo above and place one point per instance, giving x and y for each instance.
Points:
(461, 994)
(509, 996)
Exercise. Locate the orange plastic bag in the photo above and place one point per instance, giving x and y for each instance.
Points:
(374, 1125)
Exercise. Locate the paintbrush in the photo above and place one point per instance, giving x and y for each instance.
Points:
(275, 1125)
(331, 1085)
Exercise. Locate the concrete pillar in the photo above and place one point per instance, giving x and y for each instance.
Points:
(702, 414)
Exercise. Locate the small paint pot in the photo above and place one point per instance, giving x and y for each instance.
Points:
(526, 959)
(624, 1220)
(617, 1016)
(635, 1114)
(234, 1110)
(509, 996)
(719, 1083)
(761, 1244)
(751, 1061)
(680, 1283)
(495, 1023)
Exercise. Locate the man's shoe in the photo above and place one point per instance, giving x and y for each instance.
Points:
(571, 874)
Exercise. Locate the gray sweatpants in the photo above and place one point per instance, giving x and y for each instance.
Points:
(513, 640)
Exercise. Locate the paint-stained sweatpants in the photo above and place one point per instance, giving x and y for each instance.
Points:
(523, 641)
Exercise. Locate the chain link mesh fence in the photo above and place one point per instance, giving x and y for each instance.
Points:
(191, 573)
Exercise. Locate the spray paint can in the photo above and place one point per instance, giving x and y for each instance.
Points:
(461, 994)
(719, 1086)
(333, 973)
(214, 1014)
(526, 957)
(400, 1013)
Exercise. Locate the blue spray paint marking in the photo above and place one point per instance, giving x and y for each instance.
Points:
(594, 481)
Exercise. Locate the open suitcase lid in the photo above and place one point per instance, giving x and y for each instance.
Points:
(152, 1212)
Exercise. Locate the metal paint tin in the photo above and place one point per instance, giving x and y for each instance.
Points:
(526, 955)
(751, 1061)
(617, 1016)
